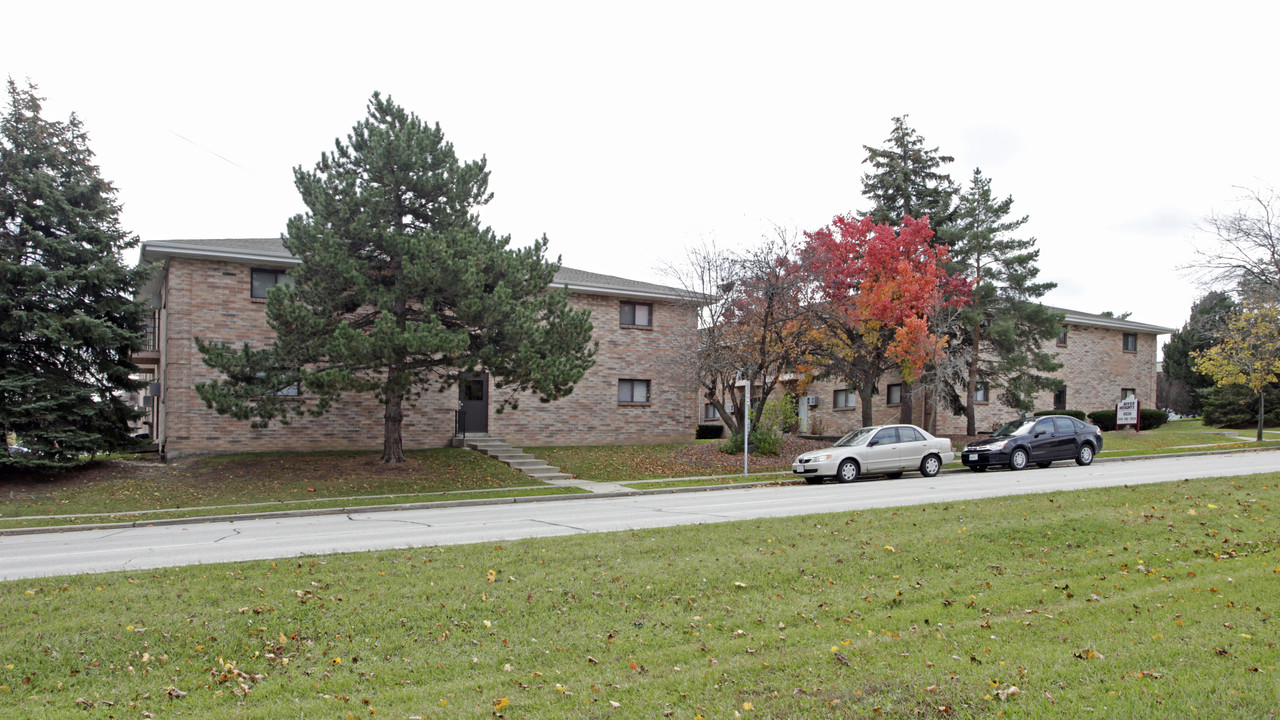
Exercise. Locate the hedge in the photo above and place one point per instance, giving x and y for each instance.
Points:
(1077, 414)
(1147, 419)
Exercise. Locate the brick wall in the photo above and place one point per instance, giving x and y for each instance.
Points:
(210, 300)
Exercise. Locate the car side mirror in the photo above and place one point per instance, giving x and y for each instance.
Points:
(873, 443)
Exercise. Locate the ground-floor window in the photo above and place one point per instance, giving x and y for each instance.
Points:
(1060, 398)
(893, 394)
(843, 399)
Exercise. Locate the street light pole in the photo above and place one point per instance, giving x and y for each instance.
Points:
(746, 420)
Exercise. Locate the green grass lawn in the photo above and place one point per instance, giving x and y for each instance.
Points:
(1181, 436)
(252, 482)
(1152, 601)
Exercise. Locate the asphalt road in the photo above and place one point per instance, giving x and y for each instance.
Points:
(85, 551)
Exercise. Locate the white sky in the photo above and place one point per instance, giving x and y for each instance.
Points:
(626, 132)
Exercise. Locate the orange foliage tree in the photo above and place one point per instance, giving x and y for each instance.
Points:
(878, 288)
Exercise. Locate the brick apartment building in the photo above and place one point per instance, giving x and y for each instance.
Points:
(1103, 360)
(638, 391)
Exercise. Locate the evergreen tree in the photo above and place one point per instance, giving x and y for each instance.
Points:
(906, 181)
(68, 321)
(400, 289)
(1004, 329)
(1208, 321)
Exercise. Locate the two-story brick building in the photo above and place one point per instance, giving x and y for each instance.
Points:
(638, 391)
(1103, 360)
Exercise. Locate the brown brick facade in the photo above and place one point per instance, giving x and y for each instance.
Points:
(210, 299)
(1095, 368)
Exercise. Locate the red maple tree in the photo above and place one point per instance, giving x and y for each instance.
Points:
(880, 286)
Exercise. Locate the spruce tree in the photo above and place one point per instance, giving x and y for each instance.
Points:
(1004, 329)
(68, 320)
(401, 290)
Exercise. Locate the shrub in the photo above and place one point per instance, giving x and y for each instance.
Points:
(709, 431)
(1104, 419)
(1152, 419)
(1077, 414)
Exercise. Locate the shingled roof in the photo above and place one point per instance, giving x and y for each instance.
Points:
(271, 251)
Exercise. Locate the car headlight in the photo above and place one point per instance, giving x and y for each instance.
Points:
(999, 445)
(820, 458)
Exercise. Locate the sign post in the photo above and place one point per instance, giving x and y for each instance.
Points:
(1128, 412)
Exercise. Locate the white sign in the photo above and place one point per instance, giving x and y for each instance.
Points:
(1127, 411)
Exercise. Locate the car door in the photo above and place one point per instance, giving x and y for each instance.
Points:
(882, 451)
(1042, 443)
(912, 447)
(1069, 439)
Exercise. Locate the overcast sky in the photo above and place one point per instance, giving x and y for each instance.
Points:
(628, 132)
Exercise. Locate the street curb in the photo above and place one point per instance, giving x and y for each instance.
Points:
(784, 479)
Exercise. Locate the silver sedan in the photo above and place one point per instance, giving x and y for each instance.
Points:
(888, 450)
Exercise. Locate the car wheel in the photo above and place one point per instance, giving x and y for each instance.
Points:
(1044, 463)
(893, 475)
(978, 468)
(848, 471)
(1018, 459)
(930, 465)
(1085, 455)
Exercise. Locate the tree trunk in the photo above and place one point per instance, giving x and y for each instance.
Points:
(1262, 412)
(392, 444)
(971, 387)
(907, 409)
(864, 394)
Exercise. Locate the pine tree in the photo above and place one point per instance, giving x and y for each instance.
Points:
(906, 180)
(1208, 322)
(1004, 329)
(401, 290)
(68, 321)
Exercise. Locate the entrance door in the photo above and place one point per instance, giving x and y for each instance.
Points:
(473, 401)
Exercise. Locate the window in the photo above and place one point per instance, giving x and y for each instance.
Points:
(893, 394)
(633, 391)
(1060, 398)
(887, 436)
(1043, 427)
(637, 314)
(909, 434)
(843, 399)
(1131, 342)
(981, 393)
(293, 389)
(1064, 425)
(709, 412)
(1062, 338)
(1126, 393)
(261, 281)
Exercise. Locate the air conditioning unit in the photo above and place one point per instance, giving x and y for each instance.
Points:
(728, 407)
(811, 400)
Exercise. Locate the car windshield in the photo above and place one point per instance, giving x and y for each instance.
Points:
(857, 437)
(1016, 427)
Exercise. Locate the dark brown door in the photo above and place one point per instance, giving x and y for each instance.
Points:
(473, 401)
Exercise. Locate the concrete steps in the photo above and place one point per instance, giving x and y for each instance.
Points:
(514, 457)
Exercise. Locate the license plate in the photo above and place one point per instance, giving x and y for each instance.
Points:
(973, 458)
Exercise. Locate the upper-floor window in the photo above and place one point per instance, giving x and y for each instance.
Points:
(636, 314)
(633, 391)
(261, 281)
(1131, 342)
(843, 399)
(1062, 338)
(981, 393)
(893, 394)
